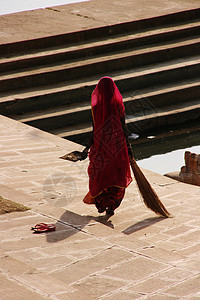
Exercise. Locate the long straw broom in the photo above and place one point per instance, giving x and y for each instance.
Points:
(148, 194)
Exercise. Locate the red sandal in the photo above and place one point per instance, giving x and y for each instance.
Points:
(38, 226)
(43, 227)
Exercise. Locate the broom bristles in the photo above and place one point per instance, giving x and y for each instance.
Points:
(148, 194)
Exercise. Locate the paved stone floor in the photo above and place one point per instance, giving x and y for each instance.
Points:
(132, 255)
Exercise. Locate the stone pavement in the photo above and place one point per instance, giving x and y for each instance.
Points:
(132, 255)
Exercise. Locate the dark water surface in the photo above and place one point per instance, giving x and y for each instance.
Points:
(165, 153)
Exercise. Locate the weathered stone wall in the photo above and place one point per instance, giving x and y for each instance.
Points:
(190, 173)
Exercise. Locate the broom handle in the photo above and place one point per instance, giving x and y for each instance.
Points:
(132, 160)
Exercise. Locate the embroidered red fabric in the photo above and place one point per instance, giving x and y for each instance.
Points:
(109, 161)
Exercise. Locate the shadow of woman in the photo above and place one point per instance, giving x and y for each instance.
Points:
(142, 224)
(71, 223)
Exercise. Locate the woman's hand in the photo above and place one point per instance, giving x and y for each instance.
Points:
(84, 154)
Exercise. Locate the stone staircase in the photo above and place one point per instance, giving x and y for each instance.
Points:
(47, 82)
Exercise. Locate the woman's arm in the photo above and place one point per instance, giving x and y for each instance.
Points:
(89, 144)
(85, 151)
(126, 134)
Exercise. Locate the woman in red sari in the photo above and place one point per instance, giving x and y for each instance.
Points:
(109, 167)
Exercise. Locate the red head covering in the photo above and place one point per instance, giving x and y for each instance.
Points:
(109, 161)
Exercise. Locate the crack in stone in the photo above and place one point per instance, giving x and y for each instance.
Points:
(82, 16)
(53, 9)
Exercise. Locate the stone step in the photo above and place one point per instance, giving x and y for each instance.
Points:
(136, 102)
(168, 134)
(95, 47)
(171, 115)
(154, 62)
(101, 64)
(139, 78)
(158, 142)
(178, 113)
(168, 20)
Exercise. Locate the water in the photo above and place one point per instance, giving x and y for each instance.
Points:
(168, 162)
(166, 154)
(13, 6)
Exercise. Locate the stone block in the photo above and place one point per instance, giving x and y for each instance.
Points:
(76, 249)
(90, 265)
(189, 251)
(101, 230)
(187, 238)
(12, 289)
(148, 286)
(96, 286)
(50, 264)
(175, 274)
(178, 230)
(186, 288)
(161, 296)
(136, 269)
(31, 277)
(36, 240)
(26, 256)
(121, 295)
(191, 264)
(161, 254)
(127, 242)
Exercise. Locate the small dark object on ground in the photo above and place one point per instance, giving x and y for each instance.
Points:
(43, 227)
(73, 156)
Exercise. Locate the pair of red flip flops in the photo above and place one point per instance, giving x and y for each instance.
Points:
(43, 227)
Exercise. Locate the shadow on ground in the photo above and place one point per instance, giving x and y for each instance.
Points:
(71, 223)
(142, 224)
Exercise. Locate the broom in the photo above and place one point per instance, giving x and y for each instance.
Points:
(148, 194)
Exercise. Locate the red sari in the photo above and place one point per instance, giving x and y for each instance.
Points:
(109, 167)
